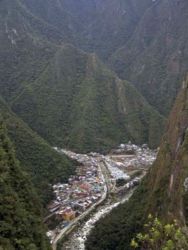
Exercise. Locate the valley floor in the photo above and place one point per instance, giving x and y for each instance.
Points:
(101, 183)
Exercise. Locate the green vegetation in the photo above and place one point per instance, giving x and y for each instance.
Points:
(65, 95)
(39, 160)
(162, 192)
(94, 26)
(58, 95)
(154, 58)
(20, 220)
(136, 38)
(85, 106)
(121, 225)
(158, 235)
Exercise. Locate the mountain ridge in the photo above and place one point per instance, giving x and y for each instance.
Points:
(81, 93)
(88, 75)
(155, 57)
(23, 75)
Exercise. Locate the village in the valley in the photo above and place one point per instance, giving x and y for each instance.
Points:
(76, 196)
(96, 178)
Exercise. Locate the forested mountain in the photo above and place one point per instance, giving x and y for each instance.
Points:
(156, 56)
(20, 221)
(93, 25)
(143, 41)
(49, 84)
(78, 103)
(43, 163)
(24, 53)
(163, 191)
(86, 75)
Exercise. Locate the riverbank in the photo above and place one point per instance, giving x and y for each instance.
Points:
(85, 195)
(77, 239)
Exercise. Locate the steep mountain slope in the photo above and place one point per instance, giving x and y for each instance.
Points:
(72, 100)
(50, 87)
(55, 14)
(171, 166)
(20, 222)
(155, 58)
(163, 192)
(37, 158)
(93, 25)
(148, 37)
(106, 25)
(26, 46)
(78, 103)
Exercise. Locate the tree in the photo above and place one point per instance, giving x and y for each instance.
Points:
(162, 236)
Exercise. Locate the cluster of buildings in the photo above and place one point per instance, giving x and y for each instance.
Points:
(75, 197)
(96, 176)
(130, 155)
(115, 171)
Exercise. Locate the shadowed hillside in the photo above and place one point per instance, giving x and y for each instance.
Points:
(44, 165)
(69, 97)
(163, 191)
(144, 41)
(78, 103)
(155, 58)
(20, 222)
